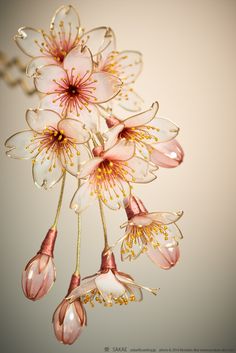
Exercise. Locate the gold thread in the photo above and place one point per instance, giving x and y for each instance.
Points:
(54, 226)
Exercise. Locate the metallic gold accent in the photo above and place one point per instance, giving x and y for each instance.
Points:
(54, 226)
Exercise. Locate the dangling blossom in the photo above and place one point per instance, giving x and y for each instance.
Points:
(145, 130)
(74, 88)
(127, 65)
(168, 154)
(69, 319)
(109, 174)
(144, 230)
(39, 274)
(108, 286)
(65, 34)
(53, 144)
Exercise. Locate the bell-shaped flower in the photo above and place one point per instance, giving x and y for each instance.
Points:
(147, 132)
(127, 65)
(69, 319)
(109, 286)
(109, 174)
(65, 34)
(146, 232)
(53, 144)
(40, 273)
(74, 88)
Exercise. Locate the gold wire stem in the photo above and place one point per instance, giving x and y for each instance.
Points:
(77, 266)
(54, 226)
(106, 245)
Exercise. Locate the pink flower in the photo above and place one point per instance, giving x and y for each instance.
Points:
(40, 274)
(154, 233)
(146, 130)
(53, 144)
(109, 174)
(65, 34)
(127, 65)
(109, 286)
(73, 88)
(69, 318)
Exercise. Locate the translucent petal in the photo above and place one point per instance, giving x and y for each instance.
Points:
(29, 40)
(39, 119)
(108, 285)
(82, 198)
(18, 145)
(51, 101)
(128, 65)
(165, 217)
(78, 63)
(88, 118)
(71, 160)
(141, 220)
(48, 77)
(46, 172)
(89, 167)
(106, 86)
(129, 100)
(111, 136)
(161, 130)
(65, 26)
(37, 62)
(168, 154)
(139, 171)
(86, 286)
(122, 151)
(164, 257)
(142, 118)
(98, 39)
(74, 129)
(113, 194)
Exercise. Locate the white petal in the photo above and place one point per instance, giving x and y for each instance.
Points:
(38, 62)
(129, 100)
(51, 101)
(44, 173)
(90, 118)
(39, 119)
(79, 63)
(48, 77)
(161, 130)
(19, 145)
(82, 198)
(98, 39)
(139, 171)
(65, 24)
(85, 287)
(30, 40)
(89, 167)
(165, 217)
(112, 195)
(106, 87)
(142, 118)
(74, 129)
(111, 136)
(108, 285)
(71, 160)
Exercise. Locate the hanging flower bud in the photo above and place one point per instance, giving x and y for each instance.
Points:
(40, 273)
(69, 318)
(164, 257)
(167, 154)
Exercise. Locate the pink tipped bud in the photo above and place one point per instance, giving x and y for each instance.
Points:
(164, 257)
(134, 206)
(69, 318)
(97, 151)
(112, 121)
(40, 273)
(167, 154)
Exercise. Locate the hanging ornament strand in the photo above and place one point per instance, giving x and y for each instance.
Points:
(106, 245)
(77, 266)
(54, 226)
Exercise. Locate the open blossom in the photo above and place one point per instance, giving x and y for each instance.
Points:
(53, 144)
(65, 34)
(73, 87)
(127, 65)
(108, 286)
(40, 273)
(144, 130)
(146, 230)
(69, 319)
(109, 174)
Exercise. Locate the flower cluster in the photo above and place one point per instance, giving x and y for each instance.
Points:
(82, 79)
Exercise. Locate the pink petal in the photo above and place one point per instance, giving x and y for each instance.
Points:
(65, 26)
(38, 62)
(163, 257)
(51, 101)
(49, 77)
(111, 136)
(30, 40)
(89, 167)
(122, 151)
(141, 220)
(98, 39)
(167, 154)
(79, 64)
(106, 87)
(74, 129)
(39, 119)
(142, 118)
(86, 286)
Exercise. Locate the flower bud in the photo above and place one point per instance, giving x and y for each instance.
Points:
(40, 273)
(164, 257)
(167, 154)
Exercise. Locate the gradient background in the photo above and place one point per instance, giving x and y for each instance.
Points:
(189, 67)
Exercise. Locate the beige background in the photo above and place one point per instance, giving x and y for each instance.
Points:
(189, 67)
